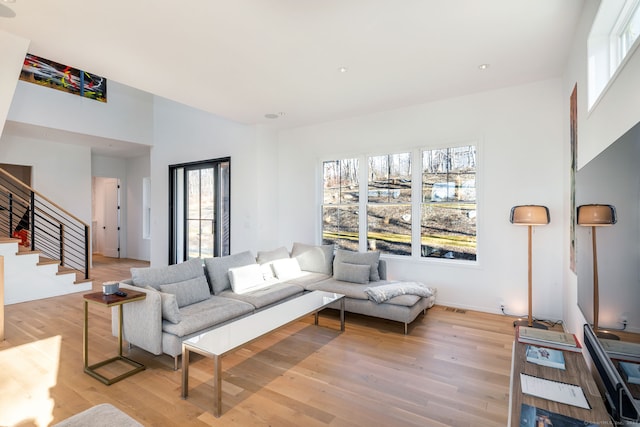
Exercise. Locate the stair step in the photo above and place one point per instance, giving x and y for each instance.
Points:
(9, 240)
(27, 251)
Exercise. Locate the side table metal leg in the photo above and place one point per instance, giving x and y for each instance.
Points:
(120, 321)
(217, 381)
(342, 314)
(85, 336)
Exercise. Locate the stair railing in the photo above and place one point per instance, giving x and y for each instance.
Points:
(43, 225)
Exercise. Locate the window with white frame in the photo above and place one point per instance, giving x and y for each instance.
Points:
(630, 31)
(448, 210)
(389, 204)
(612, 38)
(383, 200)
(340, 205)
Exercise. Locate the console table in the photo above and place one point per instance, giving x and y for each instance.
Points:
(576, 373)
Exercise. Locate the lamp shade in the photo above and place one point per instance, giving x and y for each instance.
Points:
(530, 215)
(596, 215)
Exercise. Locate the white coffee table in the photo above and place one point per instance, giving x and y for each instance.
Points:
(232, 336)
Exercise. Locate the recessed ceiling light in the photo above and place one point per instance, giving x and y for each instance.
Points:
(274, 115)
(342, 69)
(8, 1)
(483, 66)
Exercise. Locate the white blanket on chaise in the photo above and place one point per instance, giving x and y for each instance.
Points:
(383, 293)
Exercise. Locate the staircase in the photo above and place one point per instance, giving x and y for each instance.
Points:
(29, 276)
(45, 248)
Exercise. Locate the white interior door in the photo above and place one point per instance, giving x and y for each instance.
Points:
(111, 224)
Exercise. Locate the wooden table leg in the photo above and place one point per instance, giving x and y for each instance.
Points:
(85, 336)
(217, 381)
(185, 372)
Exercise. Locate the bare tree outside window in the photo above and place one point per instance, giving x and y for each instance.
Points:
(448, 213)
(341, 194)
(446, 206)
(389, 204)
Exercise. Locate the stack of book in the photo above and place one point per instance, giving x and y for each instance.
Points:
(546, 338)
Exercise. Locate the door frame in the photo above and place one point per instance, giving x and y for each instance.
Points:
(222, 212)
(99, 214)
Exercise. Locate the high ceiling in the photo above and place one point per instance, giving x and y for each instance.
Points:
(242, 59)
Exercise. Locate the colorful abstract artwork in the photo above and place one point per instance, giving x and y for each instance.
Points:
(62, 77)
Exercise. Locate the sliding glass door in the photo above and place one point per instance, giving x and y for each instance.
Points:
(199, 210)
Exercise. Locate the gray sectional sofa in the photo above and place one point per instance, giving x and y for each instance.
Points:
(186, 299)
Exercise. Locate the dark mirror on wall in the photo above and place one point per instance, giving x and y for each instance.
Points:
(612, 178)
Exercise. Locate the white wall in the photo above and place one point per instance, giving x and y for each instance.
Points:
(12, 51)
(267, 188)
(127, 115)
(61, 172)
(184, 134)
(616, 112)
(519, 131)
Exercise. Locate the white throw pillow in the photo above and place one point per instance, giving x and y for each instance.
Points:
(246, 278)
(287, 268)
(267, 271)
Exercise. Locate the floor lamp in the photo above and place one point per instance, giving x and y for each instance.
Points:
(530, 215)
(597, 216)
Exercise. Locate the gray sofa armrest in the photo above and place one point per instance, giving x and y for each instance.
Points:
(142, 321)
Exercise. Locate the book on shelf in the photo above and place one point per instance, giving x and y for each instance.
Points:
(548, 338)
(631, 371)
(531, 416)
(623, 350)
(545, 356)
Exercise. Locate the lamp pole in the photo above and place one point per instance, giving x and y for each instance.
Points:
(596, 292)
(530, 323)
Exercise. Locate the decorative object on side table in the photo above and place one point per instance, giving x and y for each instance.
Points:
(597, 216)
(109, 288)
(530, 215)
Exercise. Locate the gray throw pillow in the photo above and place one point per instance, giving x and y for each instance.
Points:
(156, 276)
(268, 256)
(355, 273)
(371, 259)
(188, 292)
(218, 269)
(317, 259)
(170, 310)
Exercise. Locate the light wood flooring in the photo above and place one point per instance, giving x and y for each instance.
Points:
(451, 370)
